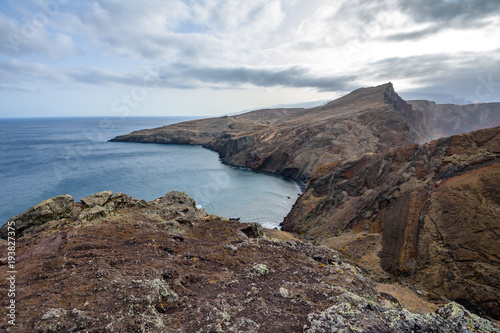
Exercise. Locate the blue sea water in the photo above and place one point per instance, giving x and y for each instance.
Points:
(45, 157)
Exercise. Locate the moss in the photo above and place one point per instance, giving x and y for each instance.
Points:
(261, 269)
(164, 291)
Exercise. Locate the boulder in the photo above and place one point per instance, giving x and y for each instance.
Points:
(47, 210)
(253, 230)
(99, 199)
(122, 199)
(92, 213)
(174, 198)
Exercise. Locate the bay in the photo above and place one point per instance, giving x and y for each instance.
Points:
(46, 157)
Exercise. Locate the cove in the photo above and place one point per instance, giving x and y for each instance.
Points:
(46, 157)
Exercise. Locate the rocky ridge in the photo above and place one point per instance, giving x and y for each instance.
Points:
(428, 212)
(116, 264)
(295, 142)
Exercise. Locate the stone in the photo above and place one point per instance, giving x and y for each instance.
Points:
(253, 230)
(99, 199)
(92, 213)
(122, 199)
(47, 210)
(357, 314)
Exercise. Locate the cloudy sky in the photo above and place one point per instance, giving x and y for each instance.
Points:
(195, 57)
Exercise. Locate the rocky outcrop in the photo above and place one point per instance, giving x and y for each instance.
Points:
(443, 120)
(431, 212)
(166, 266)
(99, 199)
(358, 314)
(295, 142)
(47, 210)
(62, 207)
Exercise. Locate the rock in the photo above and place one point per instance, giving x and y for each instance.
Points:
(122, 200)
(176, 198)
(93, 213)
(358, 314)
(253, 230)
(285, 293)
(50, 209)
(261, 269)
(99, 199)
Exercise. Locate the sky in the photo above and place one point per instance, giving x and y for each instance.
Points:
(206, 58)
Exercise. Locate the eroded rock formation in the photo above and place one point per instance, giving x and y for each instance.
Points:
(443, 120)
(295, 142)
(429, 211)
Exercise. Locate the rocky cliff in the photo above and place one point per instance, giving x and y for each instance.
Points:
(431, 212)
(295, 142)
(443, 120)
(111, 263)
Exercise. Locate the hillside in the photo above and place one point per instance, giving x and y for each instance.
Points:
(111, 263)
(381, 205)
(429, 212)
(295, 142)
(442, 120)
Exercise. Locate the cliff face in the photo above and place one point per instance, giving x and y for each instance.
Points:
(295, 142)
(443, 120)
(112, 263)
(429, 211)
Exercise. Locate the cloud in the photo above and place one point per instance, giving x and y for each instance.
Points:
(177, 75)
(296, 77)
(208, 30)
(446, 14)
(414, 35)
(8, 87)
(191, 77)
(468, 76)
(15, 71)
(190, 44)
(463, 11)
(30, 35)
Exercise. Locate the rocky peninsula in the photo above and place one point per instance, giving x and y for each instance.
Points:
(295, 142)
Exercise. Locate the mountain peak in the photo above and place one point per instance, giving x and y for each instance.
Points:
(365, 95)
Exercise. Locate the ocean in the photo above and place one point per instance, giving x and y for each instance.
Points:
(45, 157)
